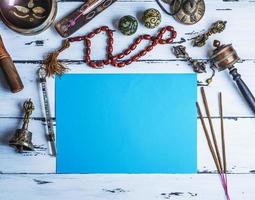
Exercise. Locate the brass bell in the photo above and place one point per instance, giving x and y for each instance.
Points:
(22, 140)
(224, 57)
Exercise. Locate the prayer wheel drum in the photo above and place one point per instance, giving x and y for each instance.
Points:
(224, 56)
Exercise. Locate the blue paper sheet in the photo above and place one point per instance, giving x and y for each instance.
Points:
(126, 123)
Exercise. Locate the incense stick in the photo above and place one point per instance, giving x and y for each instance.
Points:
(223, 141)
(211, 127)
(216, 155)
(222, 134)
(216, 161)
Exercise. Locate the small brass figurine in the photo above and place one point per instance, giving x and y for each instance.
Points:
(217, 27)
(22, 140)
(224, 57)
(180, 52)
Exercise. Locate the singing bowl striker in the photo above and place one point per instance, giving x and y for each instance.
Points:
(28, 17)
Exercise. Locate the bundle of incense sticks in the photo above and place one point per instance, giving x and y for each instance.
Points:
(221, 166)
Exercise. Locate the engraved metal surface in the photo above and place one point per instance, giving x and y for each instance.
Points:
(28, 17)
(47, 112)
(192, 11)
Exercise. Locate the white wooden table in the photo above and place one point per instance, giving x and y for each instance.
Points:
(32, 175)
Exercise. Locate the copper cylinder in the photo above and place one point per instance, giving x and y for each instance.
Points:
(224, 56)
(9, 69)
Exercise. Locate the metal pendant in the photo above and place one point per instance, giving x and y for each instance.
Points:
(47, 112)
(190, 11)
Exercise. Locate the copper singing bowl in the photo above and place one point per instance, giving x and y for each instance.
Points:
(28, 17)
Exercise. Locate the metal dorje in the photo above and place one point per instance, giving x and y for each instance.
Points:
(188, 12)
(28, 17)
(22, 140)
(224, 57)
(180, 52)
(217, 27)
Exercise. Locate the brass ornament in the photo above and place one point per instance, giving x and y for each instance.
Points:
(31, 12)
(197, 65)
(217, 27)
(22, 140)
(180, 52)
(224, 57)
(28, 17)
(151, 18)
(188, 12)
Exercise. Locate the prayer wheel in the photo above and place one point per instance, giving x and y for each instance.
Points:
(224, 57)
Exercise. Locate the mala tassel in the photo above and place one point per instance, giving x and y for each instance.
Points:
(53, 65)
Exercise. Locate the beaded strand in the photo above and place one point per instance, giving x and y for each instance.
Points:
(113, 60)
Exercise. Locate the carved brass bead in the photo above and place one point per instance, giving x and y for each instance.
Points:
(151, 18)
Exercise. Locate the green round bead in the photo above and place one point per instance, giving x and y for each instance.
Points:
(128, 25)
(151, 18)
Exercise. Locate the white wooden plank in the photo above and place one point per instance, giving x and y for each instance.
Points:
(239, 136)
(38, 46)
(240, 133)
(124, 187)
(10, 104)
(38, 161)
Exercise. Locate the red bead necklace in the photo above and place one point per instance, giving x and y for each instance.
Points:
(54, 67)
(113, 60)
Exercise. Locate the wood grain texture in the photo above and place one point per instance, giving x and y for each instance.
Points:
(240, 159)
(237, 108)
(38, 46)
(37, 161)
(28, 53)
(124, 187)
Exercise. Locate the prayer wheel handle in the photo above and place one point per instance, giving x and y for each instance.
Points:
(245, 91)
(224, 57)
